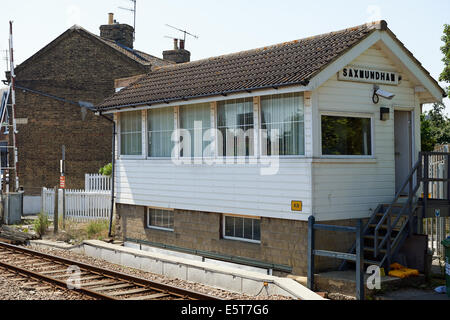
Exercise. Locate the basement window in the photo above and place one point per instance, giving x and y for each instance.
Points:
(240, 228)
(346, 136)
(160, 219)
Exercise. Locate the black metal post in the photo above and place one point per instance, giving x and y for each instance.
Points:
(113, 174)
(311, 244)
(113, 164)
(55, 212)
(359, 261)
(63, 173)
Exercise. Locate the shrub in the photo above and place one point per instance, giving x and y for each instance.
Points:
(97, 229)
(106, 170)
(41, 224)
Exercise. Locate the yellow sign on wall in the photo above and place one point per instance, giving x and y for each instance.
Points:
(296, 206)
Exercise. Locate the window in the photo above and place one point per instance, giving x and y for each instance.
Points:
(131, 133)
(235, 123)
(239, 228)
(160, 219)
(188, 116)
(343, 135)
(283, 115)
(160, 124)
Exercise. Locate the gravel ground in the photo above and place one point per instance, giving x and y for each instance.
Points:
(14, 290)
(220, 293)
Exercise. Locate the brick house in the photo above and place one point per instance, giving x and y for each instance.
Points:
(76, 66)
(197, 142)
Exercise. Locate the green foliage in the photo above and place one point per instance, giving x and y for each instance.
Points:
(427, 139)
(435, 127)
(445, 75)
(97, 229)
(41, 224)
(106, 170)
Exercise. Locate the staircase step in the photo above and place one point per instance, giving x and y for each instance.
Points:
(372, 262)
(380, 214)
(383, 226)
(371, 249)
(371, 237)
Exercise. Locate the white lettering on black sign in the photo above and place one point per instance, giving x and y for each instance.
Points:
(367, 75)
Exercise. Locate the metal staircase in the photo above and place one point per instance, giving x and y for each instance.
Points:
(391, 224)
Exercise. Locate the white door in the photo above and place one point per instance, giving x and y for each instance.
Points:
(403, 147)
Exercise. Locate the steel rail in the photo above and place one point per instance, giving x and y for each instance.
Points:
(157, 286)
(56, 282)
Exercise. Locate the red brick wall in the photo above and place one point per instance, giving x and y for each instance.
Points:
(75, 68)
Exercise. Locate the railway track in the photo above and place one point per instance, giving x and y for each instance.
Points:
(37, 268)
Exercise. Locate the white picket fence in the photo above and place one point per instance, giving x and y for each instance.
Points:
(97, 182)
(81, 205)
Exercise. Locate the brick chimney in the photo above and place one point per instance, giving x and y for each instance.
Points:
(179, 54)
(121, 33)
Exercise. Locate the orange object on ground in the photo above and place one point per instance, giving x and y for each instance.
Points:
(396, 266)
(402, 272)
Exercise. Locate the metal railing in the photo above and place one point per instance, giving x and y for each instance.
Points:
(436, 186)
(357, 257)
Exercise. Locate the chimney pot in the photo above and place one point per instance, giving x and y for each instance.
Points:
(121, 33)
(181, 44)
(110, 18)
(175, 44)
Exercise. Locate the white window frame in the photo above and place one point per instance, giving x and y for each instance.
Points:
(176, 126)
(294, 156)
(257, 138)
(193, 158)
(234, 159)
(370, 116)
(149, 226)
(236, 238)
(119, 139)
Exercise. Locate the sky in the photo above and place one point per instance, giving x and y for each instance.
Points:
(226, 26)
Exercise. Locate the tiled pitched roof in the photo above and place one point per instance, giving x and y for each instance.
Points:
(139, 56)
(289, 63)
(136, 55)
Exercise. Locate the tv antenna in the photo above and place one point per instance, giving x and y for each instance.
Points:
(134, 14)
(183, 31)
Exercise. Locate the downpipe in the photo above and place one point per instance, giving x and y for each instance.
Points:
(113, 163)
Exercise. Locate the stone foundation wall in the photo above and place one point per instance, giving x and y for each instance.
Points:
(283, 242)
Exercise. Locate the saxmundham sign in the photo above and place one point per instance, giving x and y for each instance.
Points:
(359, 74)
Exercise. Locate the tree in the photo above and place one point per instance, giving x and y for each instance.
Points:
(445, 75)
(435, 127)
(428, 141)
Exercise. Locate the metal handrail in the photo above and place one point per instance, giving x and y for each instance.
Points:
(408, 181)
